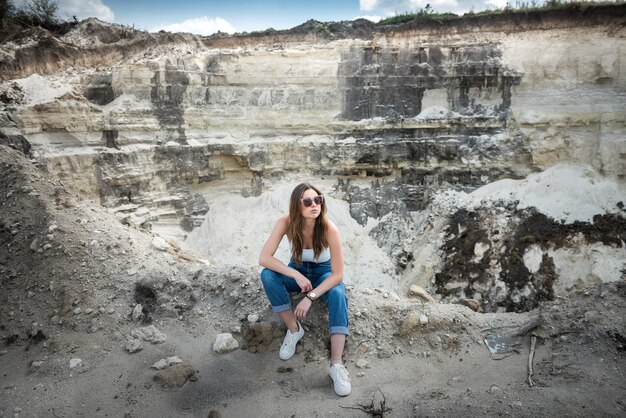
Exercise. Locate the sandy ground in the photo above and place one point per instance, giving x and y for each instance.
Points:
(576, 376)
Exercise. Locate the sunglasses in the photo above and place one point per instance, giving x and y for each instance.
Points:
(307, 201)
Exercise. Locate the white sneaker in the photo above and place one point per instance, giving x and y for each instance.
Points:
(288, 349)
(341, 381)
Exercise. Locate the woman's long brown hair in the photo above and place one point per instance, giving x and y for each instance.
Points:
(296, 224)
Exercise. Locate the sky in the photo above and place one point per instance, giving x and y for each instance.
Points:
(205, 17)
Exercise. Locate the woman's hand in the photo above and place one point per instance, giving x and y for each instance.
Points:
(303, 282)
(302, 308)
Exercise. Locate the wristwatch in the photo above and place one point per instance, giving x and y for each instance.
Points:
(311, 296)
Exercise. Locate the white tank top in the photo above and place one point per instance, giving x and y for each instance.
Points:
(307, 254)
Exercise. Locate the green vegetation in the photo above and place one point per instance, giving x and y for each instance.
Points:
(425, 13)
(34, 13)
(520, 6)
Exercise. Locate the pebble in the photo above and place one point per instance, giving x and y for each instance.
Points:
(75, 362)
(77, 311)
(150, 334)
(175, 376)
(423, 319)
(47, 247)
(362, 363)
(166, 362)
(133, 346)
(3, 352)
(225, 343)
(88, 310)
(253, 318)
(160, 244)
(55, 319)
(137, 313)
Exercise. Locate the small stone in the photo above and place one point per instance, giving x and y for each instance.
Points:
(133, 346)
(3, 352)
(415, 290)
(362, 363)
(77, 311)
(495, 389)
(55, 319)
(52, 228)
(88, 311)
(47, 247)
(225, 343)
(111, 310)
(175, 376)
(423, 319)
(360, 374)
(137, 313)
(160, 365)
(36, 364)
(101, 309)
(150, 334)
(50, 237)
(33, 245)
(253, 318)
(160, 244)
(75, 362)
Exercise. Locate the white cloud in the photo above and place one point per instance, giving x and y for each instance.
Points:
(83, 9)
(393, 7)
(200, 25)
(367, 5)
(374, 19)
(500, 4)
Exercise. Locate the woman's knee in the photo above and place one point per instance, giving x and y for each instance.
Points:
(337, 294)
(267, 277)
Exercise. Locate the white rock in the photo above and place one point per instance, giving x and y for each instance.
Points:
(362, 363)
(77, 311)
(480, 248)
(532, 258)
(160, 365)
(160, 244)
(166, 362)
(150, 334)
(225, 343)
(33, 245)
(75, 362)
(137, 313)
(253, 318)
(132, 346)
(423, 319)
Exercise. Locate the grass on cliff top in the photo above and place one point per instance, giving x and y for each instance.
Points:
(428, 13)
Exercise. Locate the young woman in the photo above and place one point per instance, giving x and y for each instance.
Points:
(315, 269)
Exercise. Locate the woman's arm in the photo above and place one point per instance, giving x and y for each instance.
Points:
(268, 260)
